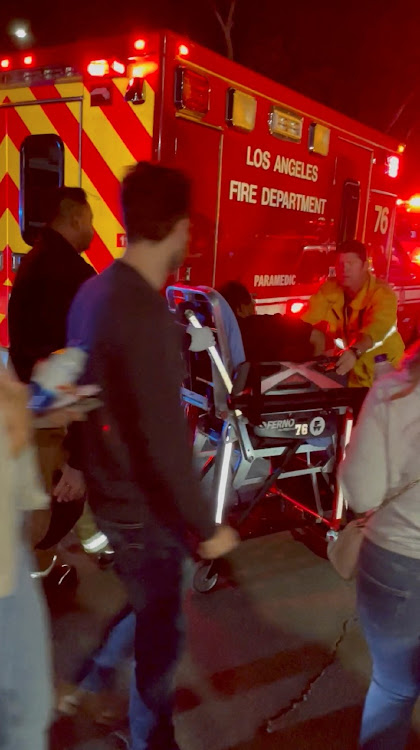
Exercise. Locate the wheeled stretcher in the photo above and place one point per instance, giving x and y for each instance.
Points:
(263, 427)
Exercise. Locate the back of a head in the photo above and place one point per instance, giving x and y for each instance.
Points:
(353, 246)
(154, 198)
(63, 202)
(236, 295)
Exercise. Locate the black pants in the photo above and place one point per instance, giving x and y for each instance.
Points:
(151, 565)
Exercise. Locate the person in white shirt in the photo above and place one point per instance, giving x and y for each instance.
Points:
(382, 462)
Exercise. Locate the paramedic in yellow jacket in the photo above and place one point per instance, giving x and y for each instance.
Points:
(359, 309)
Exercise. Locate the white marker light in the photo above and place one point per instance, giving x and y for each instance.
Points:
(21, 33)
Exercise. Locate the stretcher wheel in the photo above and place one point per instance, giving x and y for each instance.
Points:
(205, 577)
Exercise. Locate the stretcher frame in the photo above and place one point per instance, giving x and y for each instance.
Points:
(236, 434)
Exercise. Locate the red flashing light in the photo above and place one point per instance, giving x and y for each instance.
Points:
(183, 50)
(5, 63)
(98, 68)
(414, 202)
(140, 45)
(393, 166)
(28, 60)
(192, 91)
(118, 67)
(142, 69)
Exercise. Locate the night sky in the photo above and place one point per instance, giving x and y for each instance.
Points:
(362, 58)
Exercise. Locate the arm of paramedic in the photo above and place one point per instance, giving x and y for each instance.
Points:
(317, 339)
(317, 310)
(362, 474)
(379, 319)
(143, 385)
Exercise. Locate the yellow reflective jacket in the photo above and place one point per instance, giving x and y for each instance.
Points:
(373, 311)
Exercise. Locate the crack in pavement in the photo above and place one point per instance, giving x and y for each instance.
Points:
(274, 724)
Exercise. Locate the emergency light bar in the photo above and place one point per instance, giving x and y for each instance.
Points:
(286, 125)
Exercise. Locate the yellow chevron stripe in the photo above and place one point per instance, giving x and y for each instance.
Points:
(105, 223)
(10, 231)
(3, 157)
(106, 139)
(18, 94)
(100, 131)
(13, 162)
(70, 89)
(145, 112)
(9, 160)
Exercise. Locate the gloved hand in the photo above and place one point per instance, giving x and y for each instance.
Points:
(201, 338)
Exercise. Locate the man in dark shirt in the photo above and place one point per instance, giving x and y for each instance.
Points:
(47, 281)
(44, 288)
(135, 453)
(271, 338)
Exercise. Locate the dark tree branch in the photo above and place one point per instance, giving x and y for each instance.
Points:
(227, 25)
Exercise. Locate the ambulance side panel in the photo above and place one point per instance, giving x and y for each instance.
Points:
(293, 179)
(77, 133)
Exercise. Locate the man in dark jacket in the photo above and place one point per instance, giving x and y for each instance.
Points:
(136, 456)
(44, 288)
(47, 281)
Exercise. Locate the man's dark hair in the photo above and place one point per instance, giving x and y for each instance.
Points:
(235, 294)
(63, 200)
(153, 199)
(353, 246)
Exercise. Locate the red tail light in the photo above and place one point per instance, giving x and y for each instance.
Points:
(28, 60)
(192, 91)
(183, 50)
(140, 45)
(5, 63)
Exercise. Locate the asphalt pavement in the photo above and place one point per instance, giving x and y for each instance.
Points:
(276, 647)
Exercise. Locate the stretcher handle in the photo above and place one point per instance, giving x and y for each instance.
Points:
(213, 353)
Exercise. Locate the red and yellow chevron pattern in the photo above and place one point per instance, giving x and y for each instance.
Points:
(100, 143)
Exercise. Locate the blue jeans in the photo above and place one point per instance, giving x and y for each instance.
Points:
(388, 592)
(25, 668)
(151, 565)
(118, 646)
